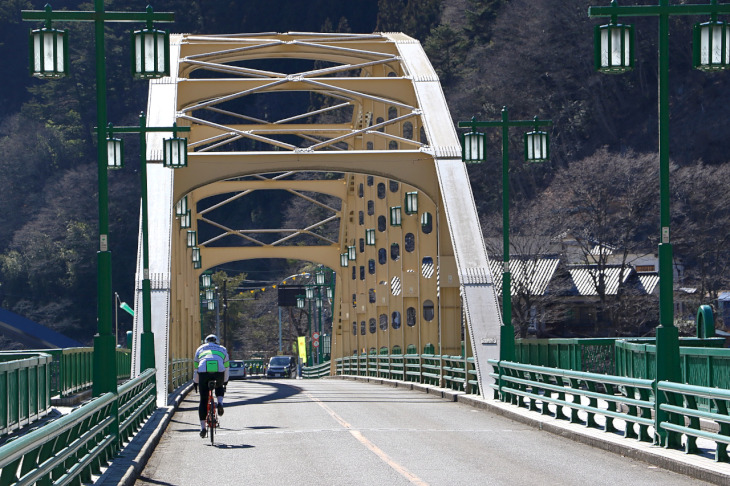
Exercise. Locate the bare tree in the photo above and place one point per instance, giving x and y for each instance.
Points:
(700, 228)
(607, 202)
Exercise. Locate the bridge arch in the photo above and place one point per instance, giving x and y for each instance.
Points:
(382, 122)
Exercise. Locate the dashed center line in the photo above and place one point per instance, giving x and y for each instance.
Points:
(367, 443)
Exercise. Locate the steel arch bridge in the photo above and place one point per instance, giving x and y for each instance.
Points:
(376, 127)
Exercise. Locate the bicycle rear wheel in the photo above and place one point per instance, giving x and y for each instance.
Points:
(212, 432)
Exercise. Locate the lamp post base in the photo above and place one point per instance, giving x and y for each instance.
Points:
(105, 365)
(667, 369)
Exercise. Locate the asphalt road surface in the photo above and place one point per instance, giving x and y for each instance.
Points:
(339, 432)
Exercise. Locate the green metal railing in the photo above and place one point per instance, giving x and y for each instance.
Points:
(316, 371)
(453, 372)
(24, 389)
(181, 371)
(581, 397)
(72, 448)
(682, 404)
(599, 355)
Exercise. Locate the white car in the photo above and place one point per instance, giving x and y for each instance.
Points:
(236, 370)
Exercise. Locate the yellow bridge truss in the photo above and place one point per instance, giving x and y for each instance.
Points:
(377, 128)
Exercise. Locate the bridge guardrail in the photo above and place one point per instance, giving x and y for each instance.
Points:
(181, 371)
(616, 397)
(454, 372)
(24, 389)
(613, 397)
(316, 371)
(685, 415)
(72, 448)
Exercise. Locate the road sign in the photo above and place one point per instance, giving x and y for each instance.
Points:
(315, 343)
(315, 336)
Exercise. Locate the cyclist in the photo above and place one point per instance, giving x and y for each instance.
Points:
(212, 359)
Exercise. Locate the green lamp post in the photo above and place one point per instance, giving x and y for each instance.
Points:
(614, 54)
(474, 151)
(49, 59)
(115, 160)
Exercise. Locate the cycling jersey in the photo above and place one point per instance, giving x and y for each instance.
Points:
(212, 358)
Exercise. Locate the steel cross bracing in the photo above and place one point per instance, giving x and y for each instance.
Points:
(365, 123)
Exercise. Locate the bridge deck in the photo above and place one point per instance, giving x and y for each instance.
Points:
(344, 432)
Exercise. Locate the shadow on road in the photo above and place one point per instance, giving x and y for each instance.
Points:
(280, 391)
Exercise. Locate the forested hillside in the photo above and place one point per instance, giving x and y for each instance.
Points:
(533, 56)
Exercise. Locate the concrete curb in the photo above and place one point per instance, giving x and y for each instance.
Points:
(698, 467)
(128, 465)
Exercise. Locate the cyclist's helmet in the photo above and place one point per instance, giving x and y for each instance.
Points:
(212, 338)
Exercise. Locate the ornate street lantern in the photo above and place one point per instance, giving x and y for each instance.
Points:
(192, 238)
(300, 302)
(186, 220)
(207, 280)
(370, 236)
(181, 207)
(150, 52)
(473, 147)
(114, 151)
(411, 203)
(344, 260)
(175, 151)
(48, 52)
(614, 47)
(711, 46)
(395, 216)
(537, 145)
(351, 253)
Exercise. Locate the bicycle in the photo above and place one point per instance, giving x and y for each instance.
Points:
(211, 419)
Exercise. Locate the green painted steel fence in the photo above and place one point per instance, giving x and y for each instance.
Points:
(685, 414)
(581, 397)
(316, 371)
(24, 389)
(181, 371)
(595, 355)
(453, 372)
(69, 450)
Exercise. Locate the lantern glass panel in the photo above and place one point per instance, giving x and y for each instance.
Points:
(186, 220)
(370, 237)
(151, 53)
(614, 48)
(536, 146)
(411, 202)
(473, 147)
(175, 152)
(395, 216)
(49, 56)
(114, 153)
(211, 305)
(711, 50)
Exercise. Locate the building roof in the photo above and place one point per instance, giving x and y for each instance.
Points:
(584, 278)
(533, 275)
(648, 282)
